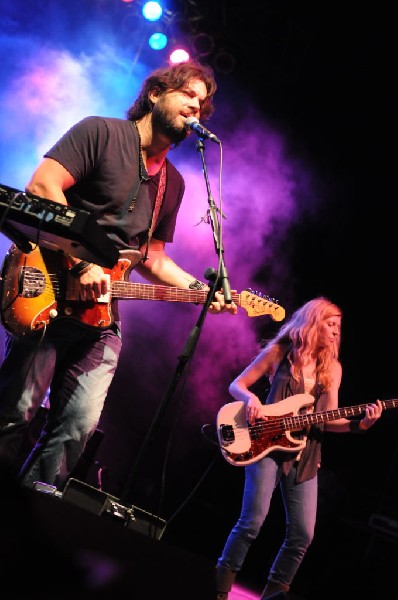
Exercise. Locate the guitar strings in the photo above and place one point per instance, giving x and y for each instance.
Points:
(298, 422)
(122, 289)
(126, 289)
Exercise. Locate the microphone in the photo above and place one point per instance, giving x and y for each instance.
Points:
(193, 124)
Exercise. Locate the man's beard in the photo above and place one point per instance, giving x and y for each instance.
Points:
(162, 123)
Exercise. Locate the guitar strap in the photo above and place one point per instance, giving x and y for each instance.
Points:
(156, 207)
(159, 199)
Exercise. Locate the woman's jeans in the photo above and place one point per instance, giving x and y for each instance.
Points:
(300, 502)
(77, 365)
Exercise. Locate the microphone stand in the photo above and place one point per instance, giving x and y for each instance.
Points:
(222, 281)
(190, 344)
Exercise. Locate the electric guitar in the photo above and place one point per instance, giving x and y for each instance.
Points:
(242, 444)
(36, 290)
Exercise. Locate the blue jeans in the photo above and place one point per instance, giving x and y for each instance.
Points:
(300, 502)
(77, 365)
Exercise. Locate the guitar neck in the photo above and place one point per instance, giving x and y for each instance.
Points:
(298, 422)
(145, 291)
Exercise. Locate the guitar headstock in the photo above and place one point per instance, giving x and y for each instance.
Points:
(257, 305)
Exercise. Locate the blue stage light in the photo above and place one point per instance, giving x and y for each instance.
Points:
(158, 41)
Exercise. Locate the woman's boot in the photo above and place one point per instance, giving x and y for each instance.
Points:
(272, 588)
(224, 581)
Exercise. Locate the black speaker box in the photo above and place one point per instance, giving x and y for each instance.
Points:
(53, 548)
(103, 504)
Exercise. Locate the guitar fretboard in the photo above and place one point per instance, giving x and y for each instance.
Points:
(145, 291)
(299, 421)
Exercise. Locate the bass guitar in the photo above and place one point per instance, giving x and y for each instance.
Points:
(242, 444)
(37, 290)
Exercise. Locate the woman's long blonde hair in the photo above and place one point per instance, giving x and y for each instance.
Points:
(300, 334)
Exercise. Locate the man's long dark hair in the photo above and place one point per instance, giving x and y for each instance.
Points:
(174, 77)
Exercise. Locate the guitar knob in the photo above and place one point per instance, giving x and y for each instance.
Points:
(53, 313)
(68, 311)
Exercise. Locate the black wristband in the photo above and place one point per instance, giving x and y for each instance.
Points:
(80, 268)
(196, 285)
(354, 426)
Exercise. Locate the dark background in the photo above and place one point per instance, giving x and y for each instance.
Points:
(323, 75)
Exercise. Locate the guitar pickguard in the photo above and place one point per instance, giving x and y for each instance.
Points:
(243, 444)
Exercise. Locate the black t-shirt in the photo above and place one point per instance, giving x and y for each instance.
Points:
(102, 154)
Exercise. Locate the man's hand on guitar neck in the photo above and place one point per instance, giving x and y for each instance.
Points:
(219, 305)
